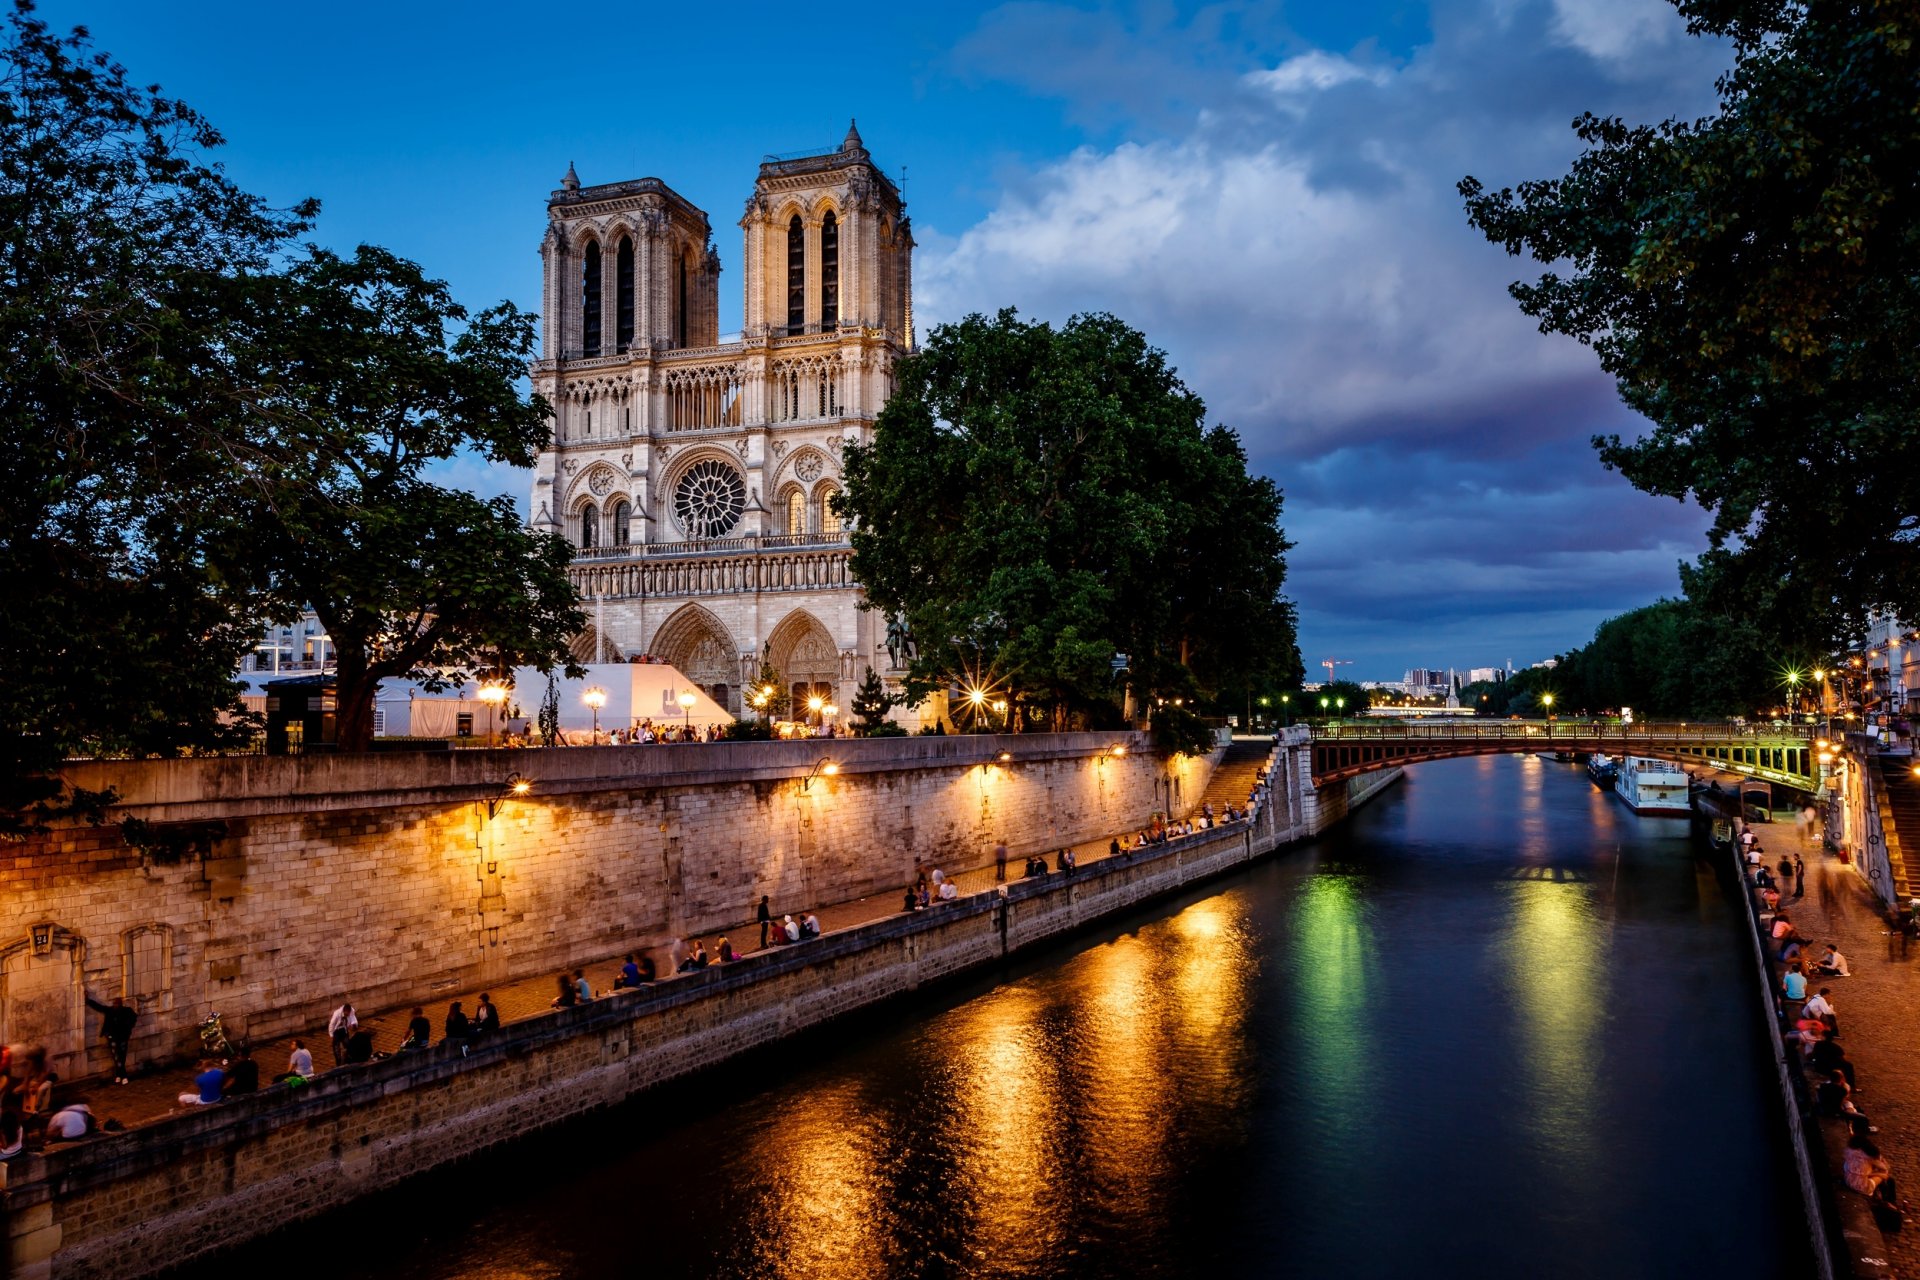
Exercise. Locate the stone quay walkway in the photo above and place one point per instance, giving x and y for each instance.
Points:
(1875, 1006)
(152, 1096)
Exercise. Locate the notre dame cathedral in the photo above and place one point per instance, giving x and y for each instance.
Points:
(693, 476)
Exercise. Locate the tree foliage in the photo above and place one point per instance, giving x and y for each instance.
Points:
(871, 702)
(117, 243)
(202, 427)
(1752, 280)
(366, 372)
(1035, 500)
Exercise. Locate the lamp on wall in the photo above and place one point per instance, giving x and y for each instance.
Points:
(514, 788)
(824, 767)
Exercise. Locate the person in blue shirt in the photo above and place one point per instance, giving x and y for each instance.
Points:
(1794, 983)
(207, 1086)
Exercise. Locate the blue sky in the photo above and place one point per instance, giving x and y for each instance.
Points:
(1265, 189)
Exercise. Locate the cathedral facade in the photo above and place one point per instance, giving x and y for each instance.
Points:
(693, 477)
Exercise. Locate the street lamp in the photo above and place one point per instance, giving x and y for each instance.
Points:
(1286, 707)
(595, 697)
(493, 693)
(816, 704)
(824, 767)
(686, 701)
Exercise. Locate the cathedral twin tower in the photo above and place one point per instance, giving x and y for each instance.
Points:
(694, 477)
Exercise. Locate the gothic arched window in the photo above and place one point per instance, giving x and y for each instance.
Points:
(682, 308)
(829, 272)
(796, 276)
(622, 523)
(829, 520)
(590, 300)
(589, 527)
(623, 295)
(796, 512)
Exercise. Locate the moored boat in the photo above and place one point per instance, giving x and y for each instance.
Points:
(1652, 786)
(1603, 770)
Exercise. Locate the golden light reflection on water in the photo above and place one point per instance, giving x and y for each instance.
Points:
(1556, 971)
(1005, 1083)
(821, 1216)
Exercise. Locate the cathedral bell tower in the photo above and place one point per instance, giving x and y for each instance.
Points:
(828, 245)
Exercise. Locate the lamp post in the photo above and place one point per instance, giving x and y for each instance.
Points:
(1340, 705)
(1324, 703)
(1286, 708)
(595, 697)
(493, 693)
(686, 701)
(815, 705)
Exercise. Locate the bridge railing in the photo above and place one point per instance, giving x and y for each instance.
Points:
(1521, 731)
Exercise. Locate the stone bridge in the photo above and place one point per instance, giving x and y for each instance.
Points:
(1348, 749)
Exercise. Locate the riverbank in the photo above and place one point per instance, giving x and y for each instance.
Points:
(1873, 1004)
(159, 1196)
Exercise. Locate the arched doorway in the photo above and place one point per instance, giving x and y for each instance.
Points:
(808, 661)
(698, 643)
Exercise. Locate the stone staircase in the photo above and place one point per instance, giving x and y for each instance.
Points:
(1234, 777)
(1899, 819)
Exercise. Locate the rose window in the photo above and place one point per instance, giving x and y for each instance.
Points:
(709, 499)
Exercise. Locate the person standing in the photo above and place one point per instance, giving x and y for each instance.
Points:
(765, 917)
(116, 1027)
(1799, 877)
(1000, 860)
(340, 1029)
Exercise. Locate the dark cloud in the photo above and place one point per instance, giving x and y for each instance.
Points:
(1286, 225)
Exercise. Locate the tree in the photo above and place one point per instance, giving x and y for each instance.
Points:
(1752, 281)
(120, 634)
(1036, 500)
(871, 702)
(550, 713)
(367, 372)
(1343, 698)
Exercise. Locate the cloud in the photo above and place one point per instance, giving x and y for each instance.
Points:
(1297, 246)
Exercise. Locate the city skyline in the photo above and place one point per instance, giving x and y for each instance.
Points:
(1269, 196)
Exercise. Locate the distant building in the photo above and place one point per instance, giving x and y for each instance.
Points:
(1548, 665)
(297, 648)
(1486, 675)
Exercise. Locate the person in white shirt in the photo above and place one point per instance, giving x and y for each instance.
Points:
(301, 1063)
(1832, 963)
(339, 1027)
(792, 929)
(949, 891)
(70, 1122)
(1818, 1006)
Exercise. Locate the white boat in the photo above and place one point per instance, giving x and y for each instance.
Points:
(1651, 786)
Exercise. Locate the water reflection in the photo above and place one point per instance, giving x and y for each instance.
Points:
(1389, 1054)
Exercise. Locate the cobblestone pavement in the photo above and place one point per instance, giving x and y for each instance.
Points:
(152, 1096)
(1876, 1007)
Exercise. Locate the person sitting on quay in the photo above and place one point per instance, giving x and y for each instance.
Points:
(1820, 1005)
(360, 1046)
(629, 975)
(1865, 1170)
(567, 995)
(13, 1130)
(1831, 964)
(949, 892)
(1770, 898)
(486, 1017)
(1793, 983)
(923, 895)
(72, 1122)
(810, 925)
(299, 1064)
(419, 1031)
(243, 1073)
(1762, 878)
(1828, 1057)
(457, 1027)
(1834, 1097)
(581, 984)
(1782, 929)
(909, 903)
(726, 951)
(1807, 1035)
(208, 1081)
(699, 959)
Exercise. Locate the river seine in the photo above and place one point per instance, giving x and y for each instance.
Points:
(1494, 1026)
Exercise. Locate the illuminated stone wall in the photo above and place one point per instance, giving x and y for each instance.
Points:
(387, 880)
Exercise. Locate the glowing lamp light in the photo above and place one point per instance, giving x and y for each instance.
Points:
(686, 700)
(977, 697)
(1117, 749)
(1006, 757)
(814, 704)
(824, 767)
(493, 691)
(595, 697)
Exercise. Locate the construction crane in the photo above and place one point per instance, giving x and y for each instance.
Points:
(1331, 663)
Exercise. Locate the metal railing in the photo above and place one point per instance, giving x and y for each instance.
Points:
(1533, 730)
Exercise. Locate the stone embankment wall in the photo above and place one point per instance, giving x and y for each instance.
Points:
(162, 1195)
(269, 888)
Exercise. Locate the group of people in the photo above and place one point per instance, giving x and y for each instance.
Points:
(29, 1113)
(1813, 1027)
(647, 732)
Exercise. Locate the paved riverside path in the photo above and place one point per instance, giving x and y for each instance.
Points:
(154, 1095)
(1877, 1007)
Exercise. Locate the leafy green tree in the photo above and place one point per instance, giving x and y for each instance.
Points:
(550, 713)
(368, 372)
(1035, 500)
(777, 699)
(1752, 280)
(1343, 698)
(120, 632)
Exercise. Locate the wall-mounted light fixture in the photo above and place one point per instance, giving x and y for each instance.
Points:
(514, 788)
(822, 768)
(1006, 757)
